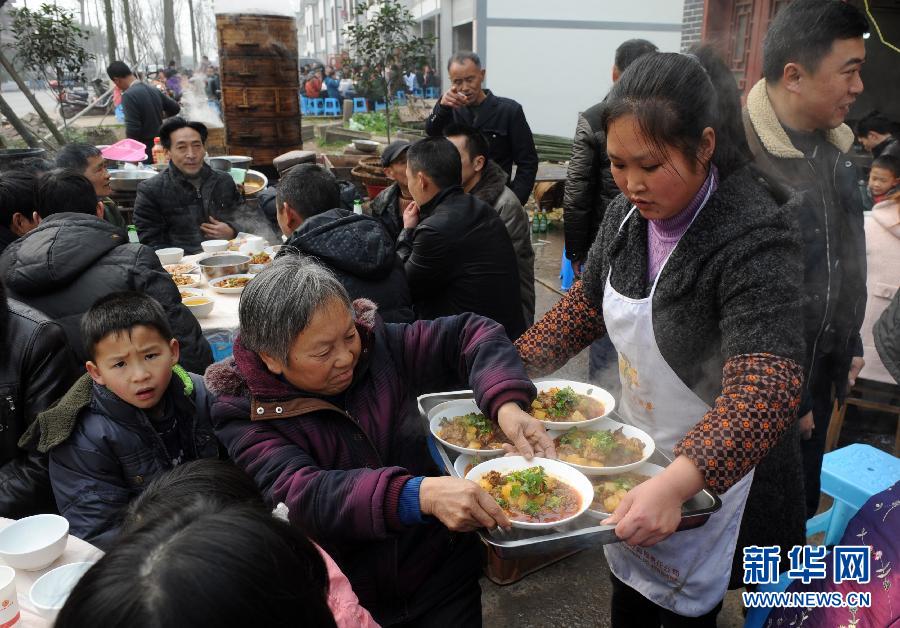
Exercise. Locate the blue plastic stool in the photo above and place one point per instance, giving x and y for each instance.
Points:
(401, 97)
(418, 93)
(566, 272)
(332, 107)
(359, 105)
(316, 106)
(851, 475)
(380, 106)
(432, 92)
(304, 105)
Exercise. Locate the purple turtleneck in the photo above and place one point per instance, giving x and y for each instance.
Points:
(663, 235)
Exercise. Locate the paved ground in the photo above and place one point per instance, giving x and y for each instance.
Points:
(574, 592)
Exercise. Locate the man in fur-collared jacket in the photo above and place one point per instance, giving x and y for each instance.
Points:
(794, 121)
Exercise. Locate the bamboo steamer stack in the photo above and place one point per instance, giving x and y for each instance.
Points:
(260, 85)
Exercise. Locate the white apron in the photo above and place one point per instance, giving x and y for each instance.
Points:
(688, 572)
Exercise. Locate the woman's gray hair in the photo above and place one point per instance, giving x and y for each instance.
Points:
(281, 300)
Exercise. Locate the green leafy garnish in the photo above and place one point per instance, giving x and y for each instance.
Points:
(564, 402)
(479, 422)
(604, 441)
(554, 501)
(502, 502)
(572, 437)
(531, 508)
(515, 491)
(532, 479)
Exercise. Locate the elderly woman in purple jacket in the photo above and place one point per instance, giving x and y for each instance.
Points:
(318, 406)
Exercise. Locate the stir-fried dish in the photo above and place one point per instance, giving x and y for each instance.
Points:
(183, 280)
(531, 495)
(602, 448)
(187, 295)
(179, 269)
(609, 491)
(564, 404)
(473, 431)
(260, 258)
(233, 282)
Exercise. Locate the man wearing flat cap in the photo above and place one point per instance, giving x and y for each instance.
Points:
(388, 206)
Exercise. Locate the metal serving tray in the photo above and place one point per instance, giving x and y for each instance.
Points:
(574, 535)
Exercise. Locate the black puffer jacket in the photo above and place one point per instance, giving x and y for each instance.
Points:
(386, 209)
(504, 125)
(71, 260)
(361, 253)
(589, 185)
(460, 259)
(36, 369)
(169, 210)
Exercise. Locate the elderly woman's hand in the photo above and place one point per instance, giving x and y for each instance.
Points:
(527, 434)
(461, 505)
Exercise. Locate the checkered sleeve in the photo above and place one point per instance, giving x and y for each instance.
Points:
(759, 401)
(567, 328)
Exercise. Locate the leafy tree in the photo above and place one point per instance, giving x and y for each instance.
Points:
(50, 43)
(382, 45)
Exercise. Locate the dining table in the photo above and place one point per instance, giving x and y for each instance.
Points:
(77, 551)
(224, 315)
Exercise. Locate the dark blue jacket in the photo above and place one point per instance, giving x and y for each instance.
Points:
(114, 451)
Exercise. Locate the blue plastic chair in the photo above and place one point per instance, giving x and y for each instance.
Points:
(850, 475)
(304, 105)
(316, 106)
(359, 105)
(401, 97)
(432, 92)
(418, 92)
(332, 107)
(380, 106)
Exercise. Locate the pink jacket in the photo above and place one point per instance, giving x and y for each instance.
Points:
(348, 612)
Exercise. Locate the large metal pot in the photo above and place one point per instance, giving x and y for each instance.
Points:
(254, 183)
(214, 266)
(224, 163)
(128, 180)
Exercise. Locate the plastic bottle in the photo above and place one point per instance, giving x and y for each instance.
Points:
(357, 206)
(544, 221)
(159, 153)
(132, 234)
(535, 221)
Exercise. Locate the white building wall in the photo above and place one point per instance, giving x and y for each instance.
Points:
(556, 58)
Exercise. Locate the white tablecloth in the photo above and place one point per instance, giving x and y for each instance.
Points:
(224, 314)
(77, 551)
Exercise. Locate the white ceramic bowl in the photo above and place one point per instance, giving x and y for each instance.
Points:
(647, 468)
(201, 306)
(180, 269)
(464, 462)
(214, 283)
(34, 542)
(607, 423)
(450, 409)
(50, 592)
(195, 281)
(273, 250)
(601, 395)
(170, 256)
(214, 246)
(555, 468)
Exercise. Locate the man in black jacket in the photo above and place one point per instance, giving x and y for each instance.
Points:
(75, 257)
(356, 248)
(37, 368)
(143, 104)
(18, 215)
(188, 202)
(388, 206)
(500, 119)
(456, 251)
(875, 131)
(812, 57)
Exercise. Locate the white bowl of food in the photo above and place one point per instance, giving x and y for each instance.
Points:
(561, 403)
(535, 494)
(259, 261)
(464, 463)
(180, 269)
(230, 284)
(170, 256)
(187, 293)
(610, 489)
(459, 425)
(201, 307)
(604, 447)
(214, 246)
(34, 542)
(186, 281)
(50, 592)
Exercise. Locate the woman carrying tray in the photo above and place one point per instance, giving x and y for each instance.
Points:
(318, 406)
(695, 276)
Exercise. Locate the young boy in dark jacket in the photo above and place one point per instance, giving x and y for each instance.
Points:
(124, 422)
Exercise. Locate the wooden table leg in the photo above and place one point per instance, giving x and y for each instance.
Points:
(836, 423)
